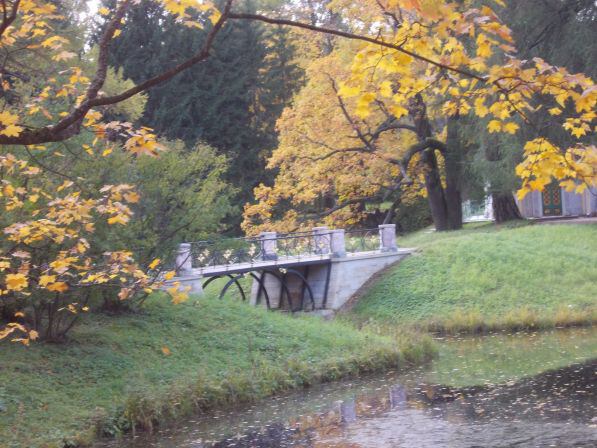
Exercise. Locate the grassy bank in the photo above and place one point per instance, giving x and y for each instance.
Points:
(132, 371)
(489, 277)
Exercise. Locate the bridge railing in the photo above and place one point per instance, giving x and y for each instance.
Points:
(321, 243)
(362, 240)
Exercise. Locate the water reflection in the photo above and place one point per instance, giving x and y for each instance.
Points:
(499, 405)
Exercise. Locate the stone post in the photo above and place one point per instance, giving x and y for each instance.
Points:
(184, 260)
(268, 245)
(337, 244)
(387, 238)
(322, 239)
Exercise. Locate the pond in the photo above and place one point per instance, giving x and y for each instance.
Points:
(524, 390)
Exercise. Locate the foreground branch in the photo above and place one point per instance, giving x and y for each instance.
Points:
(71, 124)
(352, 36)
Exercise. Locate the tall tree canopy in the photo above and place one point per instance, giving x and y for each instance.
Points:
(231, 101)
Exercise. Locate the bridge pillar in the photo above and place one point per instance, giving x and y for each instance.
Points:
(268, 245)
(184, 270)
(321, 238)
(184, 260)
(338, 243)
(387, 238)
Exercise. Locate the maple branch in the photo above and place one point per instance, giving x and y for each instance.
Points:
(165, 76)
(355, 127)
(346, 204)
(358, 149)
(70, 125)
(353, 36)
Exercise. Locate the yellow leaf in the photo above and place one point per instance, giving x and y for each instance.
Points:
(169, 275)
(494, 126)
(16, 282)
(154, 263)
(510, 128)
(398, 111)
(480, 109)
(57, 287)
(103, 11)
(118, 219)
(578, 132)
(555, 111)
(46, 279)
(11, 130)
(131, 197)
(385, 88)
(348, 91)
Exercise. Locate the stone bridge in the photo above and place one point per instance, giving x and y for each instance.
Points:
(304, 271)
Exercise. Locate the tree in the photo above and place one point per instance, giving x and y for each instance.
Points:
(231, 101)
(353, 161)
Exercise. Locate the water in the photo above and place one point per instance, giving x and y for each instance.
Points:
(523, 390)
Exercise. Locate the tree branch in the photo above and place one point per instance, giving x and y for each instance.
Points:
(352, 36)
(7, 19)
(70, 125)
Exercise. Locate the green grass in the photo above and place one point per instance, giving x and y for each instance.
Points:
(113, 376)
(489, 277)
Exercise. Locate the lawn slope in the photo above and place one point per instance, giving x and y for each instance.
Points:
(117, 372)
(489, 277)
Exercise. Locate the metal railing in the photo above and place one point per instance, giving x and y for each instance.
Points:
(365, 240)
(273, 248)
(252, 250)
(302, 244)
(225, 251)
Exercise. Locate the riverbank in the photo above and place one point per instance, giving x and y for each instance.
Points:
(122, 373)
(488, 277)
(417, 407)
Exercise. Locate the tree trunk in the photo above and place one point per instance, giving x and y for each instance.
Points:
(433, 185)
(504, 207)
(453, 158)
(435, 191)
(503, 203)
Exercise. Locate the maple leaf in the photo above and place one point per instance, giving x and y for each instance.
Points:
(11, 130)
(46, 279)
(494, 126)
(510, 128)
(578, 132)
(57, 287)
(16, 282)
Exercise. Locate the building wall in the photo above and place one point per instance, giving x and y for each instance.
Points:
(573, 204)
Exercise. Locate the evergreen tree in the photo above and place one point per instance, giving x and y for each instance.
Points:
(231, 101)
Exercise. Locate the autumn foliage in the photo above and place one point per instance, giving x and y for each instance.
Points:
(458, 60)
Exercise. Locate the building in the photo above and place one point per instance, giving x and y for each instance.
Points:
(555, 201)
